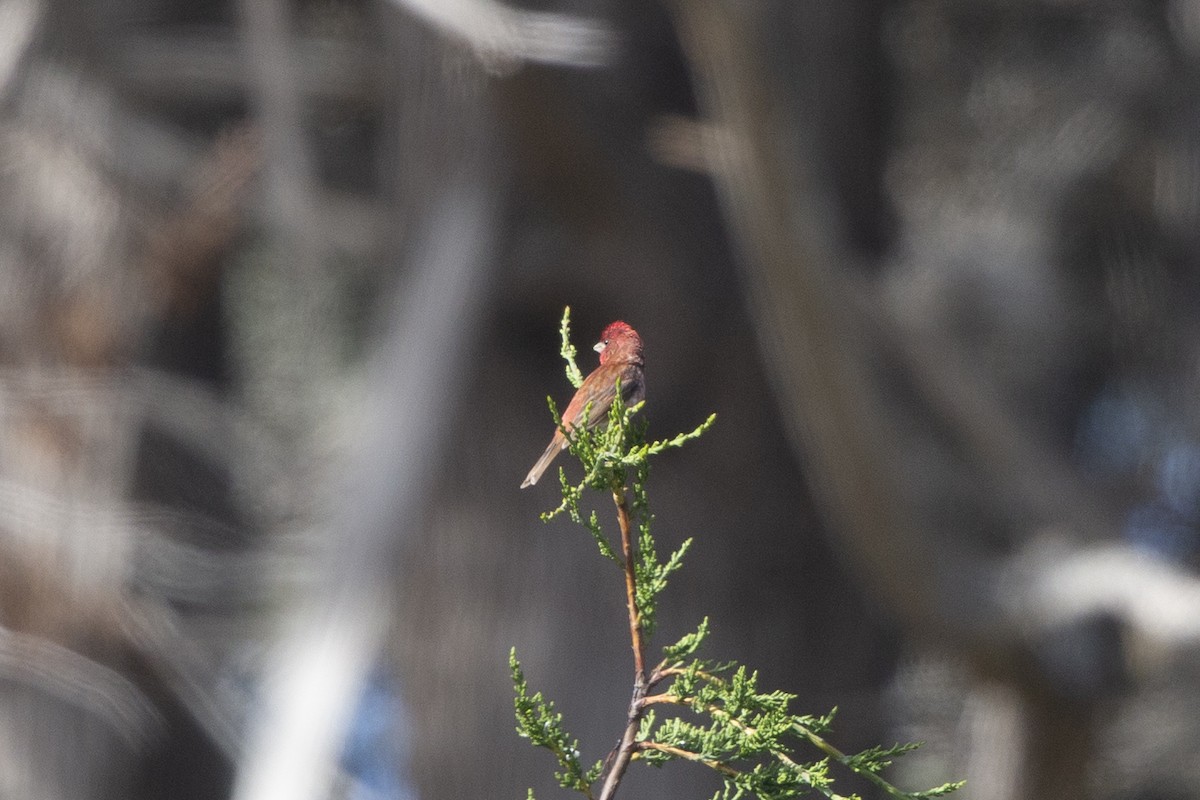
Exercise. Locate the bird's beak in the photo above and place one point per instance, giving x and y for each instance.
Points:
(598, 347)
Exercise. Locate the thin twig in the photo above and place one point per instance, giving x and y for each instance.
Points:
(629, 742)
(635, 617)
(688, 755)
(662, 673)
(837, 755)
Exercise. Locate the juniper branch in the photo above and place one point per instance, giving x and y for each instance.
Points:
(747, 736)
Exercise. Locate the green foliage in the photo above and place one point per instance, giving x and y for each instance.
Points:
(722, 719)
(568, 351)
(874, 759)
(538, 722)
(675, 654)
(652, 578)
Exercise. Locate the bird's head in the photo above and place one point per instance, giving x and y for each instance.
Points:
(619, 344)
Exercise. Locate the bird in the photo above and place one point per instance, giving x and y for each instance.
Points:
(620, 350)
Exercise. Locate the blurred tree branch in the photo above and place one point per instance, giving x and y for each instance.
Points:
(818, 358)
(821, 334)
(502, 36)
(330, 639)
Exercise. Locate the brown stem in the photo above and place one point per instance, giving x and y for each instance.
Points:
(668, 672)
(635, 617)
(688, 755)
(629, 744)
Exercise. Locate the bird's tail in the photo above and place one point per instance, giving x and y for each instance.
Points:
(535, 474)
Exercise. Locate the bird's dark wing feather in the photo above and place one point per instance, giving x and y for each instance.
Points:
(632, 391)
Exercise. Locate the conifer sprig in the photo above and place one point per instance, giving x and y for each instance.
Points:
(685, 708)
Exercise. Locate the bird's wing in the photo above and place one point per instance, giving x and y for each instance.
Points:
(601, 402)
(632, 391)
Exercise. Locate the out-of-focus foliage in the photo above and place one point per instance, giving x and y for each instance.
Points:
(274, 279)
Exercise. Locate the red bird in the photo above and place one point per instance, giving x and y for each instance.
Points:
(620, 350)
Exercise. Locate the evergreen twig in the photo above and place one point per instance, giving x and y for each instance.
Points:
(748, 737)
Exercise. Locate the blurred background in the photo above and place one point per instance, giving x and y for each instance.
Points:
(280, 285)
